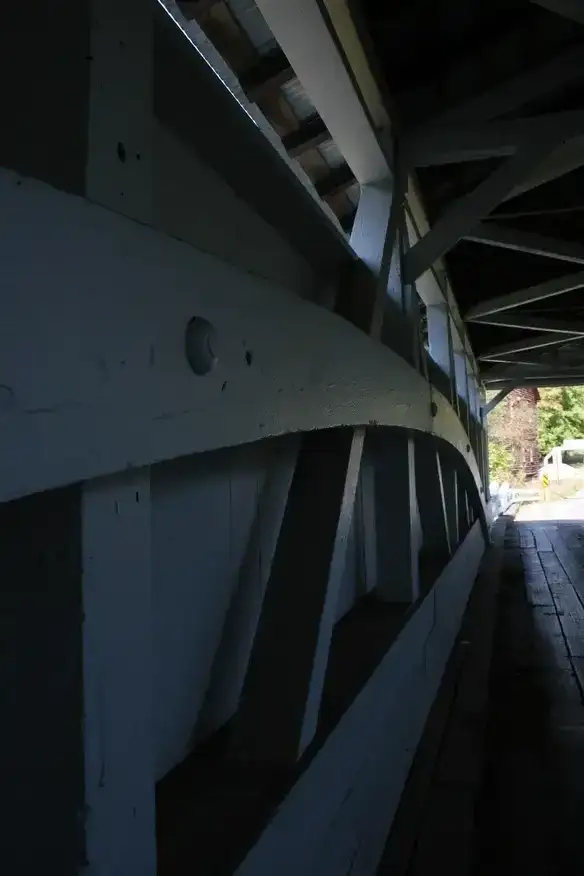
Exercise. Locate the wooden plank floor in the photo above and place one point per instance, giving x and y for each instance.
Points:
(529, 814)
(433, 830)
(499, 787)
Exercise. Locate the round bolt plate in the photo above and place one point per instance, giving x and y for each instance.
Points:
(201, 345)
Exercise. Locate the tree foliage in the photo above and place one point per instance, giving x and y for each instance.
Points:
(500, 462)
(512, 439)
(561, 415)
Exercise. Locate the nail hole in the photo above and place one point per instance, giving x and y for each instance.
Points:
(138, 498)
(201, 345)
(121, 150)
(117, 507)
(248, 357)
(223, 387)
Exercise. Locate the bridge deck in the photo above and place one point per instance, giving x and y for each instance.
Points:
(499, 781)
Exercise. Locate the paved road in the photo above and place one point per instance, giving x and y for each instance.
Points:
(562, 510)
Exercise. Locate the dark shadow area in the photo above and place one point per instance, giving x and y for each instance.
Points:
(362, 639)
(529, 811)
(497, 784)
(41, 684)
(433, 830)
(211, 809)
(431, 564)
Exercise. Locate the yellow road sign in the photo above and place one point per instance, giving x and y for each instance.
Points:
(545, 481)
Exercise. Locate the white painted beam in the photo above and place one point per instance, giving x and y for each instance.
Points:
(515, 359)
(497, 399)
(303, 224)
(461, 380)
(492, 234)
(280, 701)
(411, 307)
(574, 378)
(563, 160)
(465, 212)
(535, 342)
(215, 60)
(102, 402)
(341, 18)
(572, 9)
(117, 674)
(292, 25)
(481, 311)
(451, 498)
(375, 239)
(445, 144)
(508, 370)
(304, 36)
(397, 517)
(118, 726)
(321, 67)
(439, 337)
(504, 373)
(517, 319)
(434, 287)
(436, 544)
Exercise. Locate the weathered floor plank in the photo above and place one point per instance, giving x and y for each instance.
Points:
(569, 608)
(533, 791)
(509, 800)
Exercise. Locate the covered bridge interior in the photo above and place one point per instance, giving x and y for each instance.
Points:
(260, 262)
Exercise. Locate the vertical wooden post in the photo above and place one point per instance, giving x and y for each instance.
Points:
(117, 641)
(281, 695)
(462, 508)
(398, 527)
(119, 741)
(431, 502)
(366, 517)
(450, 488)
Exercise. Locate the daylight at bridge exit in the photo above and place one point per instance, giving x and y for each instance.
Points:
(292, 437)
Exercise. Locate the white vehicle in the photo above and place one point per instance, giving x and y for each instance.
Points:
(565, 462)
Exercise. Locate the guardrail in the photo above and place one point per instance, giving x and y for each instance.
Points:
(503, 496)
